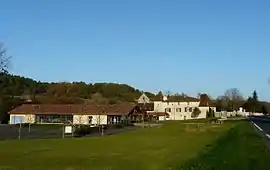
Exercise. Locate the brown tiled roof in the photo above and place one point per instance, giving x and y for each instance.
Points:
(156, 98)
(205, 101)
(117, 109)
(47, 109)
(179, 98)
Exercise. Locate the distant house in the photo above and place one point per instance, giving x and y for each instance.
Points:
(143, 99)
(71, 113)
(181, 107)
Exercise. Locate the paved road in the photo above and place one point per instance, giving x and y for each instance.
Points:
(263, 122)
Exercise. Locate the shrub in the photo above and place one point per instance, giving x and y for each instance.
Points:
(85, 130)
(210, 113)
(117, 126)
(196, 112)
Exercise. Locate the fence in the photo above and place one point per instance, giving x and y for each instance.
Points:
(224, 114)
(34, 131)
(47, 131)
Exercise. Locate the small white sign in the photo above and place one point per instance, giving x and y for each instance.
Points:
(68, 129)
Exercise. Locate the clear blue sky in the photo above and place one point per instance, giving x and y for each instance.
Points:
(186, 46)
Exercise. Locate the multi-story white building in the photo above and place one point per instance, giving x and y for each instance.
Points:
(181, 107)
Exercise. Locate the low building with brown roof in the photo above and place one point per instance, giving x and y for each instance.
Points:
(70, 113)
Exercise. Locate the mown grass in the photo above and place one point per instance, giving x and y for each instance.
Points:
(154, 148)
(242, 148)
(173, 146)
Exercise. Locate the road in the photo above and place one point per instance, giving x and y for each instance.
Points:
(263, 122)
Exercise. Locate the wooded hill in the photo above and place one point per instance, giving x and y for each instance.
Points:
(66, 92)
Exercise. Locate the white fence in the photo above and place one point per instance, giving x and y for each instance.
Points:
(224, 114)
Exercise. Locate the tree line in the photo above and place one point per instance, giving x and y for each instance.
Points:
(67, 92)
(232, 100)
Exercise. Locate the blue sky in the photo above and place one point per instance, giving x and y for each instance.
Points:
(186, 46)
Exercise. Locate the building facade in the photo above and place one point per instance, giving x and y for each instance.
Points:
(72, 114)
(182, 107)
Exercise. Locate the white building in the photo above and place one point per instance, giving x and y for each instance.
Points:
(181, 107)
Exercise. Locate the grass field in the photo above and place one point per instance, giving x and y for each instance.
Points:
(173, 146)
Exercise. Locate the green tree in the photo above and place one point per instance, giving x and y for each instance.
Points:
(255, 96)
(210, 113)
(196, 112)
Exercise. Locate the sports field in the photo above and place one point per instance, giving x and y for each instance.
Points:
(232, 145)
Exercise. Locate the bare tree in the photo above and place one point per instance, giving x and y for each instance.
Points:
(98, 120)
(223, 102)
(79, 119)
(233, 98)
(30, 119)
(233, 94)
(167, 93)
(4, 59)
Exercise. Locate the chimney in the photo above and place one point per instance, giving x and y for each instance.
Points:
(165, 98)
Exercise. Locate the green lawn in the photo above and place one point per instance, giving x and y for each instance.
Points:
(174, 145)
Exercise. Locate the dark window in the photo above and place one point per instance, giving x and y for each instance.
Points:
(90, 119)
(190, 109)
(54, 119)
(168, 110)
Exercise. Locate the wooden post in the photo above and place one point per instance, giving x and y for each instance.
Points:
(63, 134)
(102, 130)
(29, 128)
(73, 129)
(19, 137)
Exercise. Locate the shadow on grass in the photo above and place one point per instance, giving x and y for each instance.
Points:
(240, 148)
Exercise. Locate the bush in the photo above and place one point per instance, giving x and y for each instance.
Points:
(210, 113)
(85, 130)
(117, 126)
(195, 113)
(238, 115)
(23, 125)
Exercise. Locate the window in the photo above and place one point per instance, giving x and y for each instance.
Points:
(186, 109)
(54, 118)
(90, 118)
(178, 109)
(168, 110)
(190, 109)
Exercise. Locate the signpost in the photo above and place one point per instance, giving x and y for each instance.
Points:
(67, 129)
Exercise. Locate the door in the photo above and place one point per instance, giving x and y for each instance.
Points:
(17, 119)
